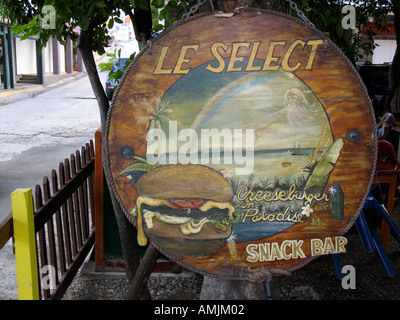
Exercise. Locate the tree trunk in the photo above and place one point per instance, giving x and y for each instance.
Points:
(142, 25)
(138, 286)
(217, 289)
(126, 229)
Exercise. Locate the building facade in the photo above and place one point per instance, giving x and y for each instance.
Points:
(385, 41)
(24, 60)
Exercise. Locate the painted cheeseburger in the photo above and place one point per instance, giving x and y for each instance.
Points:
(185, 208)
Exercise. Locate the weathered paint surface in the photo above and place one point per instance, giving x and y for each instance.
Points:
(275, 111)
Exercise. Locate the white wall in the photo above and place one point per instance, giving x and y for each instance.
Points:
(48, 57)
(384, 52)
(26, 56)
(61, 59)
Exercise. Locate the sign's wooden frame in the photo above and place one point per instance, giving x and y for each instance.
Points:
(324, 104)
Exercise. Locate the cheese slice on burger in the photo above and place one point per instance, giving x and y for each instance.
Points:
(186, 189)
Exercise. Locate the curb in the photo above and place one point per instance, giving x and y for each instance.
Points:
(11, 92)
(12, 95)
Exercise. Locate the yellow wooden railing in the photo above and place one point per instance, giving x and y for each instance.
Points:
(25, 245)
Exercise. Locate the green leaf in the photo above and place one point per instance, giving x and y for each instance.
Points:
(158, 27)
(157, 3)
(60, 28)
(143, 160)
(339, 30)
(19, 29)
(131, 57)
(137, 166)
(100, 4)
(33, 22)
(325, 165)
(219, 225)
(25, 36)
(139, 4)
(104, 66)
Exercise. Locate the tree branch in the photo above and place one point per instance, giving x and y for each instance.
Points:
(142, 25)
(138, 285)
(85, 48)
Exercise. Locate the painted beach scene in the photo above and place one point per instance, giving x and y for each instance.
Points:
(264, 132)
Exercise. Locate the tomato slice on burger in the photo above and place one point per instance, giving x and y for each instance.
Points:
(188, 203)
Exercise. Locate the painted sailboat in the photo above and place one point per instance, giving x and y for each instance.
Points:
(296, 150)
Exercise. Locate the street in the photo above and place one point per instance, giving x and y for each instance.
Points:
(38, 130)
(37, 133)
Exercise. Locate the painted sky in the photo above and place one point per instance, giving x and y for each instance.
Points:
(280, 107)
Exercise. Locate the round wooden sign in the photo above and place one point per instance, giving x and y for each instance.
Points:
(241, 145)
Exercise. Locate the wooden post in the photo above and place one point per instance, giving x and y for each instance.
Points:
(39, 64)
(25, 245)
(6, 230)
(99, 205)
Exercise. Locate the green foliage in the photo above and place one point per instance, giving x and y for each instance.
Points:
(157, 3)
(139, 4)
(170, 12)
(327, 16)
(93, 14)
(115, 59)
(89, 15)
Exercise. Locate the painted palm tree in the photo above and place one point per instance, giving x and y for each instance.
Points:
(136, 169)
(157, 116)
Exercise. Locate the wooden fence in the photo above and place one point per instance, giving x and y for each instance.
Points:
(63, 223)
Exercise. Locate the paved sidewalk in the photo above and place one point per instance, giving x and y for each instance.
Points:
(25, 90)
